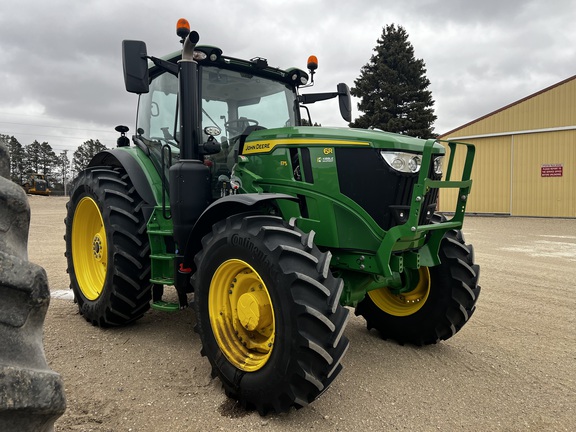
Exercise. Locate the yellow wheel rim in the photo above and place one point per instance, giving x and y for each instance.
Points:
(406, 303)
(89, 248)
(241, 315)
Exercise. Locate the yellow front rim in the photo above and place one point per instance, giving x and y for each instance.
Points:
(241, 315)
(89, 248)
(406, 303)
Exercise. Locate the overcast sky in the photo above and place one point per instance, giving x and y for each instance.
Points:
(61, 67)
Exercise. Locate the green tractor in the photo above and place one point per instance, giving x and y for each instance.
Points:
(275, 227)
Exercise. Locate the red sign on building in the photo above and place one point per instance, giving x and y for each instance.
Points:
(551, 170)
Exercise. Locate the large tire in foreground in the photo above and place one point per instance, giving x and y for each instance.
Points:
(31, 395)
(268, 313)
(442, 301)
(107, 248)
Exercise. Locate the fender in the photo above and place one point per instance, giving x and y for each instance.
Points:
(127, 159)
(221, 209)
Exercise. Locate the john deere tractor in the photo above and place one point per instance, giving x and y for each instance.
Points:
(274, 228)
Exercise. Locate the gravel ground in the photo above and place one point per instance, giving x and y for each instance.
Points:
(511, 368)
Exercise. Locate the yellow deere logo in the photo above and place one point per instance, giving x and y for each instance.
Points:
(266, 146)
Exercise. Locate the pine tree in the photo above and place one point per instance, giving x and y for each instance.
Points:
(17, 161)
(39, 158)
(392, 88)
(33, 157)
(49, 159)
(85, 153)
(17, 158)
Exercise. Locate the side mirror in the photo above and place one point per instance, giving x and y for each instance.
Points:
(345, 102)
(135, 65)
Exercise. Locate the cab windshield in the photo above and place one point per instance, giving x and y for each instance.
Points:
(229, 100)
(232, 101)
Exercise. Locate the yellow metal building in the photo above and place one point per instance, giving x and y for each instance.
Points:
(525, 161)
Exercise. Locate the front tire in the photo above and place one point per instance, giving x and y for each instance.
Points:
(442, 302)
(107, 248)
(268, 313)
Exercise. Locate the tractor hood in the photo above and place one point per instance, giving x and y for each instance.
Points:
(264, 141)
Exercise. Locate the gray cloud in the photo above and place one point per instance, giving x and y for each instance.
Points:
(61, 74)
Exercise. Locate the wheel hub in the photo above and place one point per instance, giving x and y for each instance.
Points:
(254, 310)
(404, 303)
(414, 296)
(97, 247)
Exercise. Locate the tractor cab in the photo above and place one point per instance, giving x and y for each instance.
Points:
(217, 100)
(233, 103)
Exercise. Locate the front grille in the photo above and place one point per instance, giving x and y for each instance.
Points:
(383, 192)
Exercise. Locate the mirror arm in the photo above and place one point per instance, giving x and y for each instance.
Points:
(165, 65)
(315, 97)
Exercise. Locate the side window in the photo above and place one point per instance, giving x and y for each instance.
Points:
(157, 109)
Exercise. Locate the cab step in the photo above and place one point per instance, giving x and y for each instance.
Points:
(163, 306)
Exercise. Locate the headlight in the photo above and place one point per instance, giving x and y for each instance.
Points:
(438, 164)
(199, 55)
(402, 162)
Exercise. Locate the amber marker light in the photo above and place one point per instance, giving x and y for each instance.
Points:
(182, 28)
(312, 63)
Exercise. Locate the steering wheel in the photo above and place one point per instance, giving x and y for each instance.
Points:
(238, 126)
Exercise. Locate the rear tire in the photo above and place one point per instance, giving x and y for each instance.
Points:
(438, 307)
(107, 248)
(268, 313)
